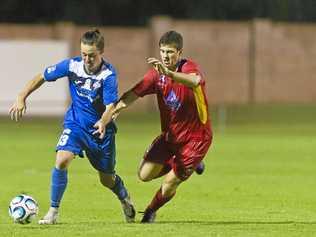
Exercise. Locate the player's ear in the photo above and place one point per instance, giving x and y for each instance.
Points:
(180, 52)
(101, 51)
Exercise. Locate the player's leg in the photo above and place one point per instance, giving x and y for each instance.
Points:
(163, 195)
(200, 167)
(156, 161)
(116, 185)
(103, 160)
(59, 181)
(150, 170)
(68, 146)
(187, 158)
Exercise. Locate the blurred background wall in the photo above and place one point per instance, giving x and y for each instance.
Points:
(250, 51)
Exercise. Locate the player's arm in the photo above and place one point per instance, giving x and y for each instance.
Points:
(103, 121)
(126, 100)
(188, 79)
(18, 109)
(112, 111)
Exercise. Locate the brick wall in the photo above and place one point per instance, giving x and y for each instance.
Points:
(285, 62)
(243, 62)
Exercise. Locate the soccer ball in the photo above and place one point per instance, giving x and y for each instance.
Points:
(23, 209)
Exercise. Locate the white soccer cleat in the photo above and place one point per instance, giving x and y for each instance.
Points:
(50, 218)
(128, 210)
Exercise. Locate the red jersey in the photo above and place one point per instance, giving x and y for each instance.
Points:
(183, 110)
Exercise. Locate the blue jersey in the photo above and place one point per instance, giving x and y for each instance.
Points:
(89, 93)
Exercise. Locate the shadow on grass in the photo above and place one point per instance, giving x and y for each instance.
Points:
(198, 222)
(188, 222)
(238, 222)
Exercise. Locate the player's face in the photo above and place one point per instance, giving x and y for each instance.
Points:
(170, 55)
(91, 56)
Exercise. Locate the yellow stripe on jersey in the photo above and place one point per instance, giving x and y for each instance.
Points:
(200, 103)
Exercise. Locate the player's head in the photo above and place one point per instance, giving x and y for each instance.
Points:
(92, 47)
(170, 44)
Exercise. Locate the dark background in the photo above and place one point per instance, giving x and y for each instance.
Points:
(138, 12)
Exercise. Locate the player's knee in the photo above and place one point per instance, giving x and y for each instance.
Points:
(61, 164)
(63, 160)
(144, 177)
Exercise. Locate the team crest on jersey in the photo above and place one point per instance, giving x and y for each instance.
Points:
(162, 81)
(172, 101)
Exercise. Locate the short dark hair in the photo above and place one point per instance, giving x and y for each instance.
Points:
(172, 37)
(93, 37)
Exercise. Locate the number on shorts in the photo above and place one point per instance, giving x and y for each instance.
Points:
(64, 137)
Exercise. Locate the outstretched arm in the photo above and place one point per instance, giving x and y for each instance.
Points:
(126, 100)
(18, 109)
(190, 80)
(112, 111)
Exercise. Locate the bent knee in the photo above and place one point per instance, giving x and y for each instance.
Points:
(143, 177)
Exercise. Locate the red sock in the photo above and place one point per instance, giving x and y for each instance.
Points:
(159, 200)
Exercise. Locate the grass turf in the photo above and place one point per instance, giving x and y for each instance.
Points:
(259, 180)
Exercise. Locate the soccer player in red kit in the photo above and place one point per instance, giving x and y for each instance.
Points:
(185, 124)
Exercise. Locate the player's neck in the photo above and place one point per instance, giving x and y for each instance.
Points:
(94, 71)
(175, 67)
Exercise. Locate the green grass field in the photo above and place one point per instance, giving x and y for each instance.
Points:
(260, 178)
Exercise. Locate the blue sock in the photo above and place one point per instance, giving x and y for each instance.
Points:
(119, 188)
(58, 186)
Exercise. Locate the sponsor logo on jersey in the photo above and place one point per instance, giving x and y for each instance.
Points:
(88, 84)
(172, 101)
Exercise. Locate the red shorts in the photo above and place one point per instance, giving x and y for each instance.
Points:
(182, 158)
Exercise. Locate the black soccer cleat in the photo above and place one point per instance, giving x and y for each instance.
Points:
(200, 168)
(149, 216)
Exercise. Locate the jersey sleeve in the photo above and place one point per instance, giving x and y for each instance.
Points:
(147, 85)
(54, 72)
(110, 89)
(191, 67)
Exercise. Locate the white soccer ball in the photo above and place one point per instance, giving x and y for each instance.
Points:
(23, 209)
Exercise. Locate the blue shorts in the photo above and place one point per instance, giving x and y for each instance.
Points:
(100, 152)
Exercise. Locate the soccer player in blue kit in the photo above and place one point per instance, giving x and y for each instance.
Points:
(93, 89)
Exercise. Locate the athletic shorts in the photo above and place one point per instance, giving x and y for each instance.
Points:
(182, 158)
(100, 152)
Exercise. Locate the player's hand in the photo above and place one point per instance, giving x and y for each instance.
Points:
(118, 107)
(159, 66)
(18, 109)
(115, 115)
(100, 129)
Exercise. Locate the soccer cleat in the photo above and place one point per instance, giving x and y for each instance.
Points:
(200, 168)
(149, 216)
(50, 218)
(128, 210)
